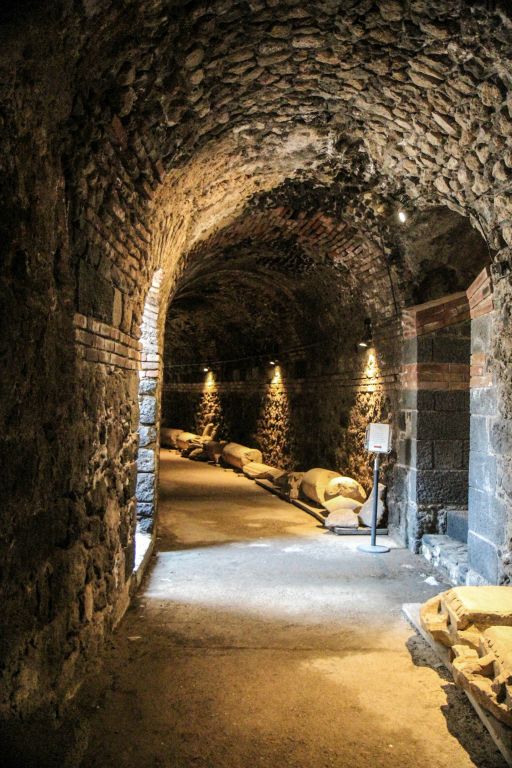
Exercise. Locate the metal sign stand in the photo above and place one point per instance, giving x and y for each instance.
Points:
(374, 548)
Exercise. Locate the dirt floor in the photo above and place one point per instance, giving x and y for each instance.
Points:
(259, 639)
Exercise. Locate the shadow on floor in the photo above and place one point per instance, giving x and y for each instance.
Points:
(461, 719)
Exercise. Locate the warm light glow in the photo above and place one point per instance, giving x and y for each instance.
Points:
(402, 217)
(276, 378)
(210, 378)
(206, 369)
(362, 344)
(371, 369)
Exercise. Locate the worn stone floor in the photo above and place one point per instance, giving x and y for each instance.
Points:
(259, 639)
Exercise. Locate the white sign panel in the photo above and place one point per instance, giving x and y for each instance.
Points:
(378, 438)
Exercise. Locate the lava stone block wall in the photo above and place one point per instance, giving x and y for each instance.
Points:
(488, 508)
(432, 468)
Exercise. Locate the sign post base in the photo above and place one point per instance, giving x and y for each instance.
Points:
(373, 549)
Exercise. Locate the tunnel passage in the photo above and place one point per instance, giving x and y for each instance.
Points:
(134, 136)
(302, 287)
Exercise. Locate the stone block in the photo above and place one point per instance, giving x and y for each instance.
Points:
(145, 490)
(452, 401)
(410, 351)
(451, 350)
(148, 410)
(117, 308)
(479, 434)
(145, 525)
(448, 454)
(442, 487)
(414, 399)
(145, 510)
(481, 334)
(146, 460)
(482, 471)
(483, 558)
(147, 435)
(422, 454)
(487, 516)
(457, 524)
(482, 401)
(435, 425)
(405, 451)
(501, 436)
(424, 348)
(147, 386)
(95, 294)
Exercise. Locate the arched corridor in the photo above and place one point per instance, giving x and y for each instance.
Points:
(284, 219)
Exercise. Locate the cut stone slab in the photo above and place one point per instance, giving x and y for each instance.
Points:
(460, 615)
(366, 511)
(238, 455)
(262, 471)
(457, 524)
(340, 503)
(343, 518)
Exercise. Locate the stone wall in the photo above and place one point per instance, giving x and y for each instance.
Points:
(149, 419)
(296, 423)
(487, 520)
(432, 470)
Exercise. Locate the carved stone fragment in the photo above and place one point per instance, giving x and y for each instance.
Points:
(366, 511)
(168, 437)
(257, 471)
(322, 484)
(460, 615)
(237, 455)
(487, 671)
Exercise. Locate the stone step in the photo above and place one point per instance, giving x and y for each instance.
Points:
(448, 554)
(457, 524)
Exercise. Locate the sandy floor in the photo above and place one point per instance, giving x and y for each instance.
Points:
(259, 639)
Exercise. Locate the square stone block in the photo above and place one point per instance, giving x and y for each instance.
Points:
(483, 558)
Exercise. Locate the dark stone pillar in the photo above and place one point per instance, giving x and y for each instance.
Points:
(487, 512)
(431, 474)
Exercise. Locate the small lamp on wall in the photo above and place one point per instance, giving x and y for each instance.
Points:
(367, 339)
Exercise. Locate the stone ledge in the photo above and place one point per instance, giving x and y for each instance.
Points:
(448, 554)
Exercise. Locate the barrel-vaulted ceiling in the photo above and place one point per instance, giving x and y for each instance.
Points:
(177, 118)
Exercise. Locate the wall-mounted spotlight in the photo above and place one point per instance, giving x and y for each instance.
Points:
(206, 369)
(402, 217)
(367, 339)
(273, 362)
